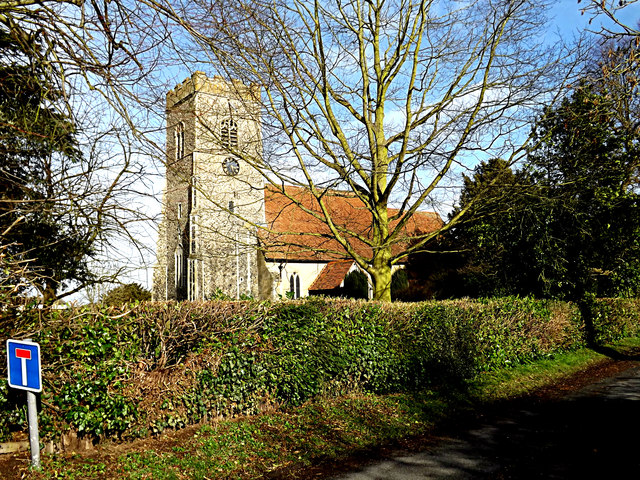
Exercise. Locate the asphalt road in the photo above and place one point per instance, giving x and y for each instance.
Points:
(591, 434)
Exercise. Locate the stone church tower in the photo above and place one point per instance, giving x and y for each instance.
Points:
(213, 199)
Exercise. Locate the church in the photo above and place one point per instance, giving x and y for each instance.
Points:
(225, 229)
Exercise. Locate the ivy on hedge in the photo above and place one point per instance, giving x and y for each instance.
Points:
(133, 371)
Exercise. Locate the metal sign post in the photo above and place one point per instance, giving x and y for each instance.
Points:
(24, 372)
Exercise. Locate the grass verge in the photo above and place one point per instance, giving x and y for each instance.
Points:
(286, 444)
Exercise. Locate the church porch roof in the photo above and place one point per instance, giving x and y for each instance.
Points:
(332, 275)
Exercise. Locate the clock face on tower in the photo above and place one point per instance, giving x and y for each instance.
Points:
(231, 166)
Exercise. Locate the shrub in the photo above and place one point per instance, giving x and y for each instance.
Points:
(399, 283)
(356, 285)
(130, 293)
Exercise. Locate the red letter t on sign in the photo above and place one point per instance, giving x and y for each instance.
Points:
(23, 354)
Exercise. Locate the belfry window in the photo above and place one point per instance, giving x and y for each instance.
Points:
(294, 285)
(229, 134)
(179, 134)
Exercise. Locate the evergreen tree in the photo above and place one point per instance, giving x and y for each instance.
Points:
(587, 164)
(482, 255)
(39, 225)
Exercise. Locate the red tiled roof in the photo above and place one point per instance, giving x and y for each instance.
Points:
(294, 234)
(332, 275)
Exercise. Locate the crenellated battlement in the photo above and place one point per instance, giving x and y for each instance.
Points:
(199, 82)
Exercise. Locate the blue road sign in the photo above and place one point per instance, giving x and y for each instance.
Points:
(23, 365)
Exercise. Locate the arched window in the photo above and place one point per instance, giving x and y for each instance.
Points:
(229, 134)
(179, 134)
(178, 267)
(294, 285)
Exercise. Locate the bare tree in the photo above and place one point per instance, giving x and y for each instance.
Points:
(388, 99)
(613, 11)
(92, 60)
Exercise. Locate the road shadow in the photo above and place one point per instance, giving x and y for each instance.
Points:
(584, 438)
(625, 355)
(590, 434)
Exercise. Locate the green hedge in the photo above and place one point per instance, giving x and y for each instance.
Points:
(614, 318)
(135, 371)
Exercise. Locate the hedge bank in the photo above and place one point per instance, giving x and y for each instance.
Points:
(135, 371)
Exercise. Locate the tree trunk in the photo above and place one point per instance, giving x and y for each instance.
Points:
(49, 292)
(381, 275)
